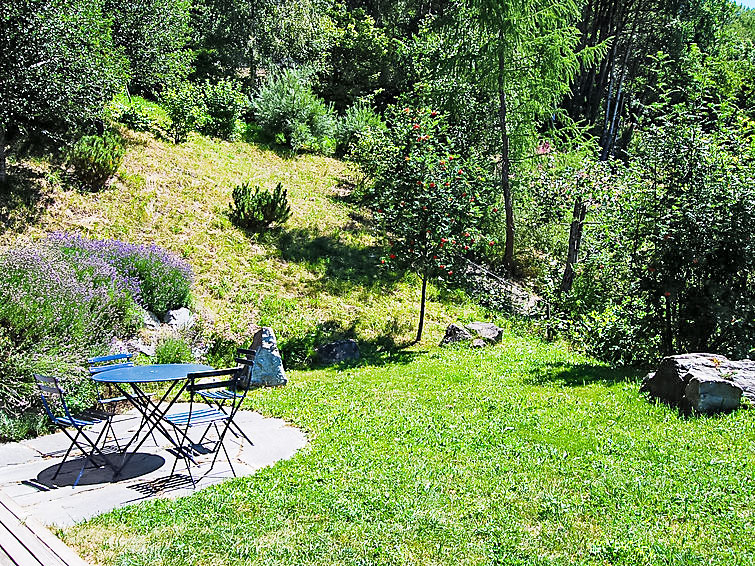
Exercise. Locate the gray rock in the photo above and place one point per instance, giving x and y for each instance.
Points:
(179, 318)
(139, 346)
(712, 395)
(336, 352)
(705, 383)
(267, 370)
(454, 334)
(478, 343)
(486, 330)
(150, 320)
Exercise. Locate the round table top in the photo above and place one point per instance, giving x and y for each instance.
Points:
(146, 374)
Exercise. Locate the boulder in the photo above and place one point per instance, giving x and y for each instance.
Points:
(704, 383)
(486, 330)
(179, 318)
(335, 352)
(150, 320)
(267, 370)
(455, 333)
(478, 343)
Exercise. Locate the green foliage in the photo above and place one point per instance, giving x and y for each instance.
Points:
(153, 35)
(287, 109)
(59, 67)
(185, 109)
(359, 119)
(358, 62)
(224, 104)
(137, 113)
(172, 351)
(668, 259)
(256, 209)
(431, 201)
(95, 159)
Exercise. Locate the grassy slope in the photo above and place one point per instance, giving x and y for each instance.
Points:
(521, 454)
(318, 277)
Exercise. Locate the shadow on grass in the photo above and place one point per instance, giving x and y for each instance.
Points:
(300, 351)
(341, 265)
(578, 375)
(23, 198)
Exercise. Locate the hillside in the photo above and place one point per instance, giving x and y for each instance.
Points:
(316, 278)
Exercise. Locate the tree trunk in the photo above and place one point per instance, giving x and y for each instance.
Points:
(422, 308)
(575, 240)
(508, 255)
(2, 156)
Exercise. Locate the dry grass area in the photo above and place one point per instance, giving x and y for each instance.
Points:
(314, 279)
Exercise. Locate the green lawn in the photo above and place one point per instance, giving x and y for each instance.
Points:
(519, 454)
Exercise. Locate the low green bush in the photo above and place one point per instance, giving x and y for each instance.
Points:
(224, 104)
(173, 351)
(358, 119)
(185, 108)
(95, 159)
(256, 209)
(289, 112)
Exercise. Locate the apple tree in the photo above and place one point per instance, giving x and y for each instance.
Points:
(430, 198)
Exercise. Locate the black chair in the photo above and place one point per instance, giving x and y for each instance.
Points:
(208, 417)
(107, 363)
(54, 403)
(219, 398)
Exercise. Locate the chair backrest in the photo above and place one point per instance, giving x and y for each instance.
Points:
(106, 363)
(53, 396)
(245, 358)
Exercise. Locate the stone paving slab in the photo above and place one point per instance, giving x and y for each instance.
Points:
(27, 469)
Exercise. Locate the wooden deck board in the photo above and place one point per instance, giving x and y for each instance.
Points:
(24, 542)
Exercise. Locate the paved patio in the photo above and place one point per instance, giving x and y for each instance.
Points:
(27, 467)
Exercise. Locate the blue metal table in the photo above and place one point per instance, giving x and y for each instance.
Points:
(128, 381)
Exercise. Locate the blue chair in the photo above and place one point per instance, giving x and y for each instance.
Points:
(208, 417)
(106, 363)
(54, 403)
(220, 397)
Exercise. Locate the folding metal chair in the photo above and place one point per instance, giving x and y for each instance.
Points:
(206, 416)
(107, 363)
(219, 398)
(54, 403)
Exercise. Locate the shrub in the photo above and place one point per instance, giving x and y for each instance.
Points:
(256, 209)
(288, 111)
(173, 351)
(185, 109)
(162, 279)
(137, 113)
(95, 159)
(53, 308)
(358, 119)
(224, 103)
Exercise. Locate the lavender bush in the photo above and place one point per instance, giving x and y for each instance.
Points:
(162, 279)
(64, 298)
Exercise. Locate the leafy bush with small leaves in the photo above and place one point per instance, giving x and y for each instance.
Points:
(95, 159)
(185, 108)
(173, 351)
(357, 120)
(224, 103)
(289, 112)
(256, 209)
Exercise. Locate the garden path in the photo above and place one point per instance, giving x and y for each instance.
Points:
(27, 468)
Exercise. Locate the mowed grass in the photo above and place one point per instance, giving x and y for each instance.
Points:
(314, 280)
(519, 454)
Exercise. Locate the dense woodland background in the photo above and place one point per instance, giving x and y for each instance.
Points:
(612, 143)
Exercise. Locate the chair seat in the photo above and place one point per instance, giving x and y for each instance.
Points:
(221, 394)
(197, 417)
(73, 421)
